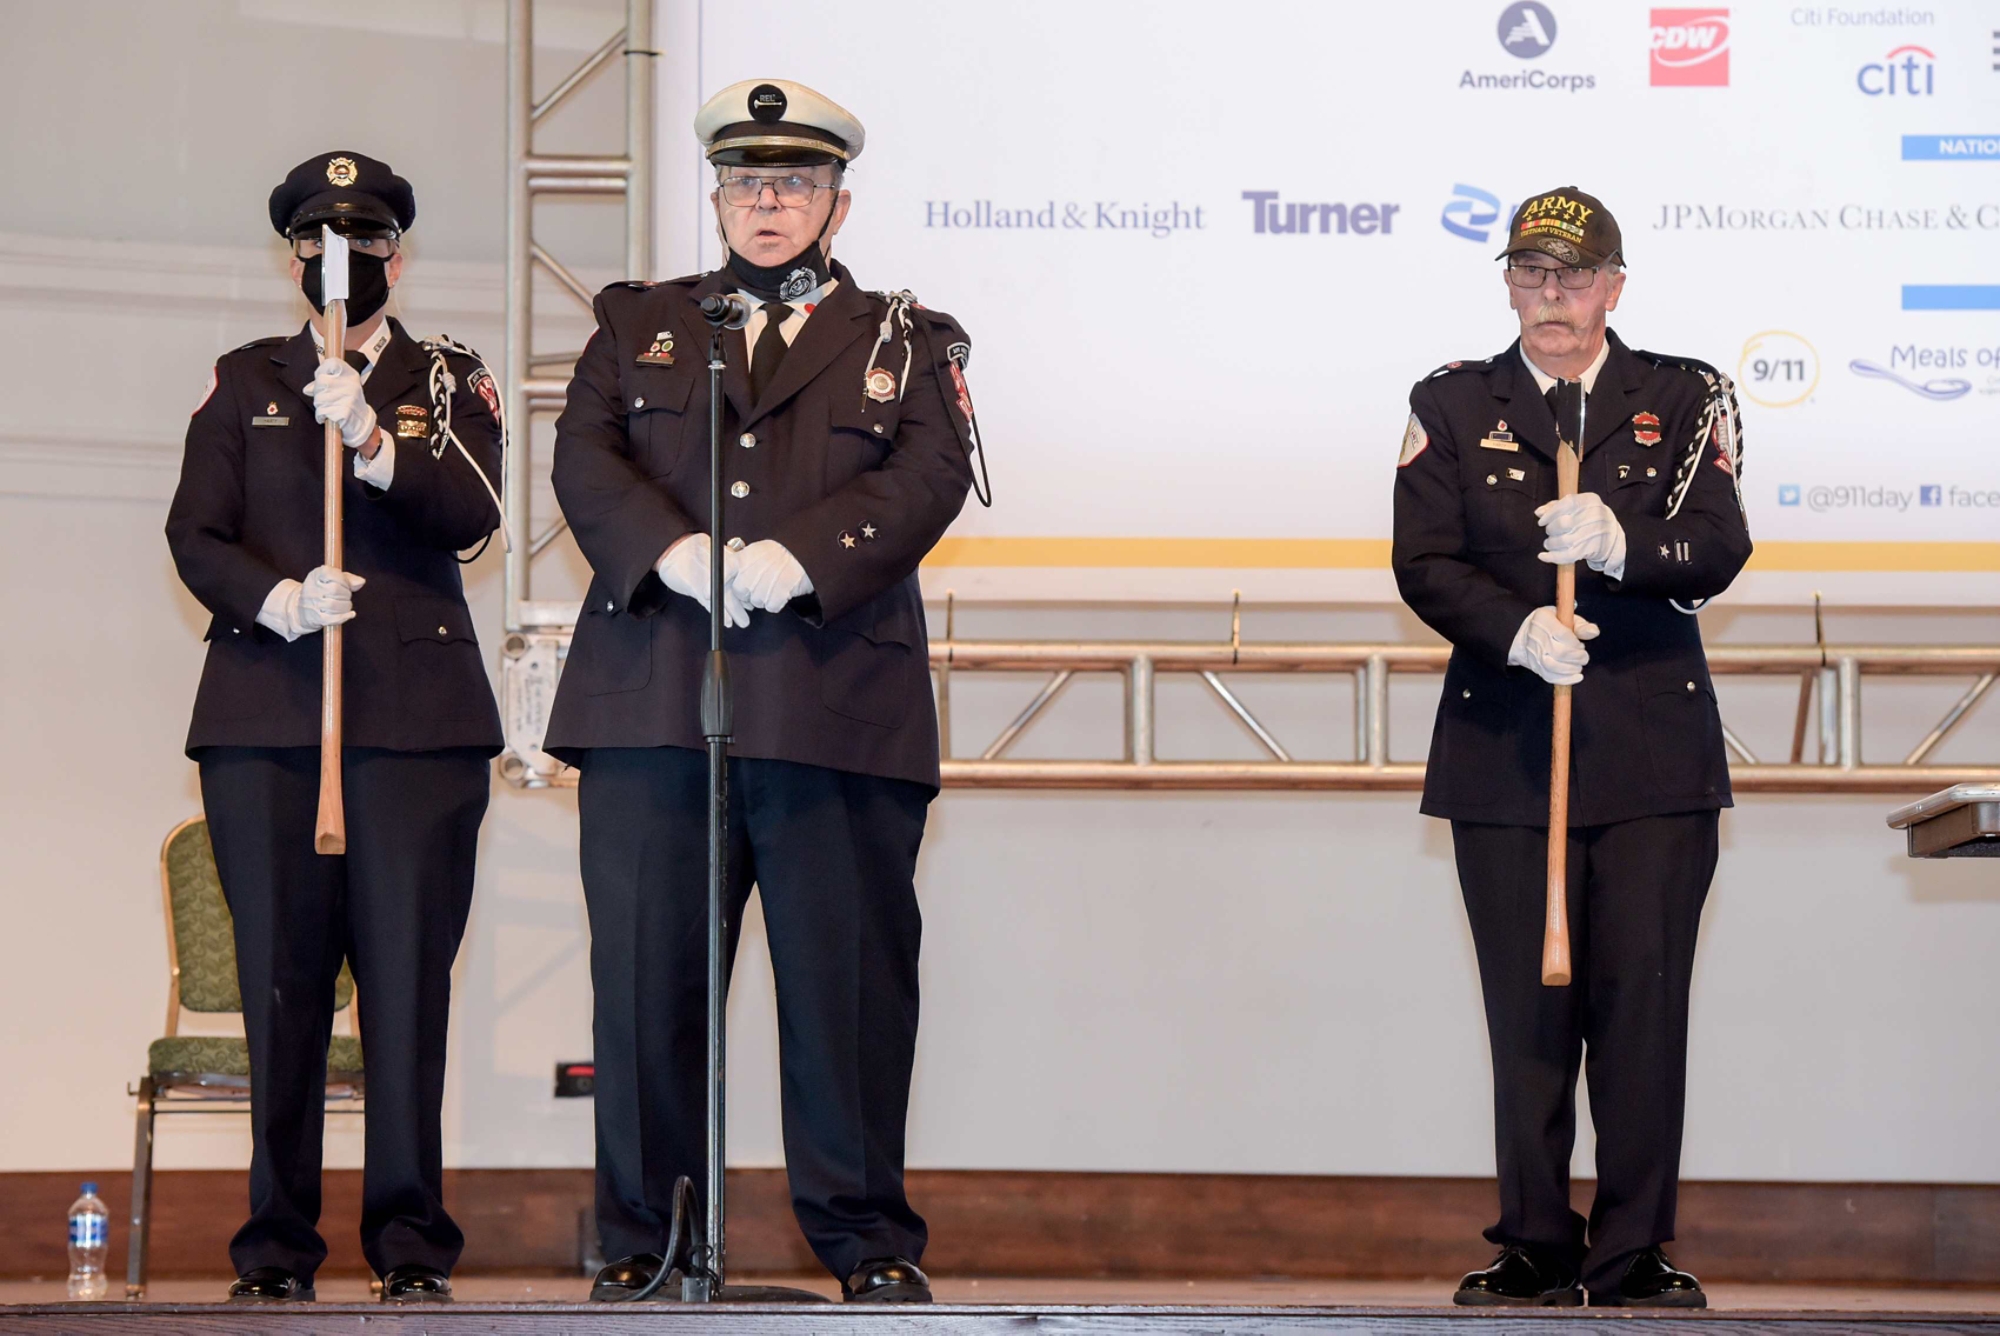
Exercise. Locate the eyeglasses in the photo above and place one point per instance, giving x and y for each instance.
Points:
(1536, 275)
(305, 248)
(793, 192)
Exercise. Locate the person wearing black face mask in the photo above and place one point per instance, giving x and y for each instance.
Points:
(848, 432)
(422, 422)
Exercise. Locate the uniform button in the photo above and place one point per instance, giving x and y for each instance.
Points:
(1466, 694)
(640, 402)
(739, 490)
(443, 632)
(734, 545)
(236, 630)
(610, 605)
(1491, 479)
(1652, 473)
(1690, 686)
(748, 440)
(878, 429)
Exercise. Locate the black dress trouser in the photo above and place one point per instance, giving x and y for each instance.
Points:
(395, 905)
(1636, 890)
(834, 858)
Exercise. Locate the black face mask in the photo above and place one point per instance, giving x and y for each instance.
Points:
(791, 280)
(367, 285)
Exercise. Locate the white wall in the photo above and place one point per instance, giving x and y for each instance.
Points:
(1248, 982)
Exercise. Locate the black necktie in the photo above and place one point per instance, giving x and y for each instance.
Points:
(1565, 400)
(770, 350)
(357, 359)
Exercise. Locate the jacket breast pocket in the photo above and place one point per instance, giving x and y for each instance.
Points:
(868, 663)
(1636, 487)
(860, 432)
(1500, 501)
(611, 651)
(656, 417)
(1683, 727)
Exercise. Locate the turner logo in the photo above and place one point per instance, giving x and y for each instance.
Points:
(1908, 71)
(1690, 48)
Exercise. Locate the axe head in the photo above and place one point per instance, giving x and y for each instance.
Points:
(333, 268)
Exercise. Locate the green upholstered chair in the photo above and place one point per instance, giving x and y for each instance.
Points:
(209, 1073)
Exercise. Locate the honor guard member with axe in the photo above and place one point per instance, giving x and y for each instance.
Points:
(846, 432)
(420, 435)
(1654, 526)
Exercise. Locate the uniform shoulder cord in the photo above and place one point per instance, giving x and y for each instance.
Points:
(442, 386)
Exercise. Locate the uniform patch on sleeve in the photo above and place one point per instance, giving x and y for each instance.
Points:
(206, 394)
(1415, 441)
(483, 384)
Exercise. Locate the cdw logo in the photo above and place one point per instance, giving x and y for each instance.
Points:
(1690, 47)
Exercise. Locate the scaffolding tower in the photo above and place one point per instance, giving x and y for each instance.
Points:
(536, 382)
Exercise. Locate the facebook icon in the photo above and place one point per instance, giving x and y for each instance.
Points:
(1930, 495)
(1788, 494)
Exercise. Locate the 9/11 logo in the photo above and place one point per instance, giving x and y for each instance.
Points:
(1690, 48)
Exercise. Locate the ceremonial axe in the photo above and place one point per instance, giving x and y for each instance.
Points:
(330, 831)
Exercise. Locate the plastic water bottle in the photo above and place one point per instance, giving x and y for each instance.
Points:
(89, 1242)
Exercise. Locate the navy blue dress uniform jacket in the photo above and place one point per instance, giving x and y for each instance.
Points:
(1647, 739)
(857, 489)
(248, 513)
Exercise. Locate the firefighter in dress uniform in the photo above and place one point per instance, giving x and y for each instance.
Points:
(1657, 527)
(421, 421)
(848, 440)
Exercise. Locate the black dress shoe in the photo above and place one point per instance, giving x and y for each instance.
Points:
(1521, 1277)
(887, 1280)
(1650, 1281)
(627, 1276)
(416, 1283)
(270, 1284)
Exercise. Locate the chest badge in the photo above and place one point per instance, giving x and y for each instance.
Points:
(880, 385)
(271, 417)
(1499, 439)
(661, 353)
(413, 421)
(1646, 428)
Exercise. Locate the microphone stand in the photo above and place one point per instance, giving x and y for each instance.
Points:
(696, 1248)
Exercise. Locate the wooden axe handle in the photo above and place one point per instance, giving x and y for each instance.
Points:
(330, 832)
(1555, 928)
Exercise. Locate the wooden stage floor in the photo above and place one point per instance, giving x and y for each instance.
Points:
(510, 1304)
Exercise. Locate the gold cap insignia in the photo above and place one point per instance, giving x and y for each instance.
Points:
(342, 172)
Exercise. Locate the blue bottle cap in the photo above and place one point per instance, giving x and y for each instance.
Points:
(90, 1189)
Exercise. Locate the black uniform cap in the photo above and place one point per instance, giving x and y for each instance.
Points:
(352, 192)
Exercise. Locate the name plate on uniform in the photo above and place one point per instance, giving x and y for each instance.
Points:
(1502, 441)
(270, 422)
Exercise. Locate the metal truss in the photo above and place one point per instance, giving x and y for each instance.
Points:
(1829, 681)
(537, 382)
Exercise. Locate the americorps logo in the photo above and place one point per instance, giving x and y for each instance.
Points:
(1475, 214)
(1690, 48)
(1527, 29)
(1907, 71)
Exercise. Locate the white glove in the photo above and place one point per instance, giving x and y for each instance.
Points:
(325, 599)
(337, 396)
(768, 576)
(1582, 528)
(684, 569)
(1551, 650)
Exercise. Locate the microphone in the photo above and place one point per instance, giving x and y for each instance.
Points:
(725, 310)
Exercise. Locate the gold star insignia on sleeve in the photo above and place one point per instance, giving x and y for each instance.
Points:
(847, 540)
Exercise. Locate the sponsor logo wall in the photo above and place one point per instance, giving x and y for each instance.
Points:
(1204, 258)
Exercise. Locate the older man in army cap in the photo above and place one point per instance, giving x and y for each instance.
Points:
(848, 427)
(1657, 527)
(422, 423)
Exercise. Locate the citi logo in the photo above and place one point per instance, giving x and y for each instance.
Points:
(1908, 71)
(1690, 48)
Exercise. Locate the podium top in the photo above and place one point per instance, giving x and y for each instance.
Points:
(1949, 800)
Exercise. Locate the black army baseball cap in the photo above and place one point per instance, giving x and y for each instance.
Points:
(351, 192)
(1571, 226)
